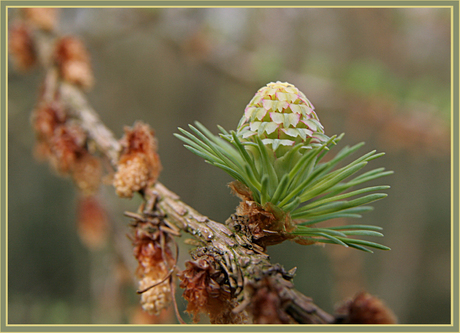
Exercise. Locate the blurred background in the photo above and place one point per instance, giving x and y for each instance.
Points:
(381, 75)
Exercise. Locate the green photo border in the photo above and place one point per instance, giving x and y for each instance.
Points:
(452, 327)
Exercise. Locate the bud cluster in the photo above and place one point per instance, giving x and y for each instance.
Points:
(31, 40)
(60, 139)
(63, 143)
(73, 62)
(139, 164)
(22, 33)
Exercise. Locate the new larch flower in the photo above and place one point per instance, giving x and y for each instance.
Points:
(282, 116)
(276, 157)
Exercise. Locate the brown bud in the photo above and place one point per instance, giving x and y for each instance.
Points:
(73, 61)
(21, 46)
(40, 17)
(139, 164)
(46, 118)
(91, 222)
(66, 146)
(365, 309)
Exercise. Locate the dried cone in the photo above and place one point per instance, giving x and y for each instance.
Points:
(366, 309)
(21, 47)
(281, 116)
(40, 17)
(154, 266)
(139, 164)
(73, 61)
(205, 295)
